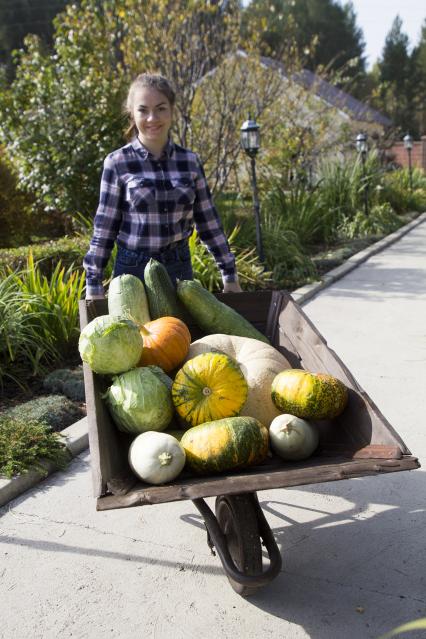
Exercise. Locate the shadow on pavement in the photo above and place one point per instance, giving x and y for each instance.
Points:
(372, 549)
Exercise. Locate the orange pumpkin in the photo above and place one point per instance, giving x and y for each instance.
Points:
(166, 343)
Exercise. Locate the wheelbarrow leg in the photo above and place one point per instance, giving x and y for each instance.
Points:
(236, 533)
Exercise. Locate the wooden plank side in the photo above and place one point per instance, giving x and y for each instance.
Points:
(297, 475)
(108, 447)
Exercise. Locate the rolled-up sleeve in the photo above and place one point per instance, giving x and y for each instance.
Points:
(106, 226)
(209, 227)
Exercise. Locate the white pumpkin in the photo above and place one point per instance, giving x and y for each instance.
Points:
(156, 457)
(259, 363)
(293, 438)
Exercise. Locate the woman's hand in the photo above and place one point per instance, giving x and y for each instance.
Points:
(232, 287)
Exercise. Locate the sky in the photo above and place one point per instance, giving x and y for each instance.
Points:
(375, 18)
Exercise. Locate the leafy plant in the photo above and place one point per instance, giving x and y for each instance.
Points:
(284, 253)
(251, 272)
(396, 190)
(380, 221)
(22, 353)
(23, 444)
(58, 297)
(38, 319)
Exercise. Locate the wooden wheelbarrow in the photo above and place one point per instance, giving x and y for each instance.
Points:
(359, 442)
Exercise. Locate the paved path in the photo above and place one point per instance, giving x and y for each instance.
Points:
(354, 551)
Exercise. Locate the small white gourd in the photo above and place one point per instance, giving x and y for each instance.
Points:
(293, 438)
(156, 457)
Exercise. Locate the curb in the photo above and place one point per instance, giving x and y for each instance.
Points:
(77, 434)
(77, 440)
(304, 293)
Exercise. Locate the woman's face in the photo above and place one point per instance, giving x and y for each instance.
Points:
(152, 114)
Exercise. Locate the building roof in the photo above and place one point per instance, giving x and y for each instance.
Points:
(331, 94)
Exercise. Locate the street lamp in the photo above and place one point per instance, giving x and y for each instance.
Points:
(408, 143)
(362, 148)
(250, 142)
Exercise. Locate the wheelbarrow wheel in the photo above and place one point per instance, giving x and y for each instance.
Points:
(237, 518)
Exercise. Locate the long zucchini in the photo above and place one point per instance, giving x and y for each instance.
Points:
(162, 298)
(213, 316)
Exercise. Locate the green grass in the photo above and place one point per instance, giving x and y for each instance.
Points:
(24, 443)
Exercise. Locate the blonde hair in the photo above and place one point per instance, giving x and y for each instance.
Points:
(153, 81)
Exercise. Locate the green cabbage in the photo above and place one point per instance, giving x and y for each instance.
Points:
(110, 345)
(139, 400)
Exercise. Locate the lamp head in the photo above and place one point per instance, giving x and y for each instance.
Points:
(250, 137)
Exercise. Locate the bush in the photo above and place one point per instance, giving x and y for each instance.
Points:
(24, 443)
(57, 297)
(381, 220)
(56, 411)
(38, 320)
(252, 274)
(15, 216)
(67, 250)
(396, 190)
(22, 353)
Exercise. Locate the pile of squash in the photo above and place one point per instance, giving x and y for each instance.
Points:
(224, 401)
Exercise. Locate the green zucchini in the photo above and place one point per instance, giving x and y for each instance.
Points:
(213, 316)
(127, 298)
(162, 298)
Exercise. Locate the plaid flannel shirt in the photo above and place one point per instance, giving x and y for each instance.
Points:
(147, 204)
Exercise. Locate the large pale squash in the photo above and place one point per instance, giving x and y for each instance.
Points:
(259, 363)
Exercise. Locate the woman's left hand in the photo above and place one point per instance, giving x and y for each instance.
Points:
(232, 287)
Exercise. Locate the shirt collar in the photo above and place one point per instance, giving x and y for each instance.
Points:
(147, 155)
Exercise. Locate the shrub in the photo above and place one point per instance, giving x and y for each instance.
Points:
(38, 320)
(252, 274)
(24, 443)
(15, 207)
(396, 190)
(380, 221)
(54, 410)
(22, 352)
(58, 296)
(284, 253)
(67, 250)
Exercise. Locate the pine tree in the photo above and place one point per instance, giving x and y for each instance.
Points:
(419, 81)
(397, 77)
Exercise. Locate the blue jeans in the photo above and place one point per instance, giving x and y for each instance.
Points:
(176, 259)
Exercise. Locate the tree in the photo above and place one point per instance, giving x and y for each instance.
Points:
(63, 112)
(324, 32)
(419, 80)
(18, 18)
(396, 92)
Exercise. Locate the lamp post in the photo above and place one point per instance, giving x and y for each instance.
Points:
(408, 143)
(250, 142)
(362, 148)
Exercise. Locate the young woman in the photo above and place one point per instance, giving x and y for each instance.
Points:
(153, 193)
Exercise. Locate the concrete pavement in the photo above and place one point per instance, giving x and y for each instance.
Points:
(354, 560)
